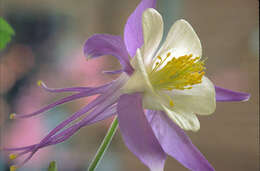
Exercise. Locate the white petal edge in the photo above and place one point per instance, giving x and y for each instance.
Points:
(152, 31)
(181, 40)
(139, 80)
(184, 119)
(201, 99)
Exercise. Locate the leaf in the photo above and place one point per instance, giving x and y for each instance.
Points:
(6, 32)
(53, 166)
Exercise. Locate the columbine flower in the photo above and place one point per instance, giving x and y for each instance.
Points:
(169, 83)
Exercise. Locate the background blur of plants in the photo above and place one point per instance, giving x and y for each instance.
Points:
(48, 46)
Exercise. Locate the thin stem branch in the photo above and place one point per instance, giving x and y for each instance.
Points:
(103, 147)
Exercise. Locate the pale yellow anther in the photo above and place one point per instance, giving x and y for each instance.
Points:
(13, 168)
(171, 103)
(12, 156)
(39, 83)
(12, 116)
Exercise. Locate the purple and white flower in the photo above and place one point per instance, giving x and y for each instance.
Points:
(156, 97)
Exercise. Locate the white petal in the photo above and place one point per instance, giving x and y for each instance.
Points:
(184, 119)
(200, 99)
(181, 40)
(139, 80)
(154, 101)
(152, 32)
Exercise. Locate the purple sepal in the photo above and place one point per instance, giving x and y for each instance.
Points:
(133, 32)
(225, 95)
(137, 132)
(105, 44)
(176, 143)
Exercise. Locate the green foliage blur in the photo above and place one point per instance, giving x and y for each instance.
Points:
(53, 166)
(6, 32)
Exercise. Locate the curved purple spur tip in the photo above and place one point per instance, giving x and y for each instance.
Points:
(113, 72)
(62, 90)
(86, 93)
(225, 95)
(102, 107)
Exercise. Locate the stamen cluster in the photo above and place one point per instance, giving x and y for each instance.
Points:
(178, 73)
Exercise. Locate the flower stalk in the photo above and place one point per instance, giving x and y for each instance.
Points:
(103, 147)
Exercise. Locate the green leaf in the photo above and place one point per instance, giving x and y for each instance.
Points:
(53, 166)
(6, 32)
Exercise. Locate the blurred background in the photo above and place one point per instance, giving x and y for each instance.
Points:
(48, 46)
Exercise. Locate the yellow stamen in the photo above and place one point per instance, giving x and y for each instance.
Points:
(13, 168)
(171, 103)
(39, 83)
(178, 73)
(12, 116)
(12, 156)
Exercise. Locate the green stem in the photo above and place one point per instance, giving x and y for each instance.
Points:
(103, 147)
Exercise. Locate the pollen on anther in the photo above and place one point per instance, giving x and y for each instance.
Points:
(13, 168)
(12, 156)
(178, 73)
(12, 116)
(171, 103)
(39, 82)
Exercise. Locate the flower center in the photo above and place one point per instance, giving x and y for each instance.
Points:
(178, 73)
